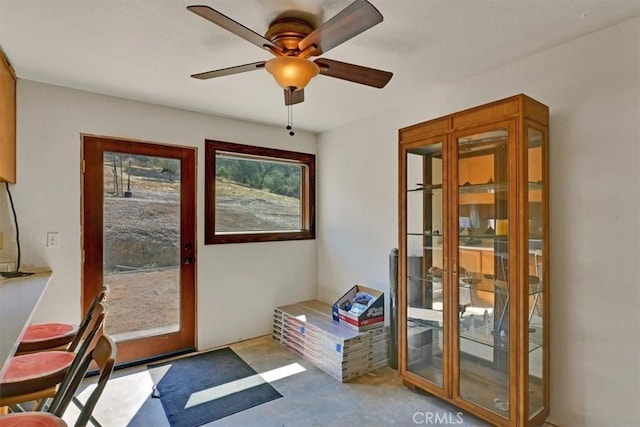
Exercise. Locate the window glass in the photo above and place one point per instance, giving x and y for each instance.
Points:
(258, 194)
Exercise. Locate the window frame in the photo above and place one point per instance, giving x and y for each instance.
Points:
(307, 190)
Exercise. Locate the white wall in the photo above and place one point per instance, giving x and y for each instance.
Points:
(592, 86)
(238, 284)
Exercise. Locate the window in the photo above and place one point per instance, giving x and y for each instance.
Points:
(257, 194)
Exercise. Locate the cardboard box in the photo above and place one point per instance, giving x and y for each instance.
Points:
(371, 317)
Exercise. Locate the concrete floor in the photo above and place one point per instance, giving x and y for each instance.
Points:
(310, 398)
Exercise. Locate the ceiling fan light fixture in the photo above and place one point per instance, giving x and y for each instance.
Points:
(291, 72)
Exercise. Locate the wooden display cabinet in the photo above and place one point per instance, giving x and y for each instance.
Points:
(7, 121)
(473, 290)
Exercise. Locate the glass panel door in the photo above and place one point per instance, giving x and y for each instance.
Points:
(426, 277)
(536, 226)
(141, 245)
(483, 269)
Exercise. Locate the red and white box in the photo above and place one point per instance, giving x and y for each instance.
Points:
(371, 317)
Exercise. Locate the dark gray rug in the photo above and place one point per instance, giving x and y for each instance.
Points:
(198, 389)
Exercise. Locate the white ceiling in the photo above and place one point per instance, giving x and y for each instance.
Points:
(147, 49)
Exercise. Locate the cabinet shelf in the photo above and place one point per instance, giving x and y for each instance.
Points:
(483, 236)
(425, 234)
(427, 278)
(491, 187)
(487, 242)
(482, 188)
(484, 335)
(429, 188)
(435, 323)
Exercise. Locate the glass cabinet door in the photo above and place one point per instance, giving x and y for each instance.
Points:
(536, 226)
(483, 269)
(425, 281)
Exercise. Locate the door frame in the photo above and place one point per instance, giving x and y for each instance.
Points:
(92, 222)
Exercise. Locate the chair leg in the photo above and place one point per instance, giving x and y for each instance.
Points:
(80, 406)
(18, 407)
(504, 311)
(41, 404)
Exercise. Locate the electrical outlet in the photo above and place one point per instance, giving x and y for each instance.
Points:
(53, 239)
(7, 266)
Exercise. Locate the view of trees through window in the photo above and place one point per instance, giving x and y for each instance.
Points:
(275, 177)
(255, 194)
(125, 167)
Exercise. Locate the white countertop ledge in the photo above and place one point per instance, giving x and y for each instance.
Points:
(19, 299)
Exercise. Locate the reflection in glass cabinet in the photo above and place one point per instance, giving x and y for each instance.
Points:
(483, 266)
(536, 226)
(473, 248)
(424, 279)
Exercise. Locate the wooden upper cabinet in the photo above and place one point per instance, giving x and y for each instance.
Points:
(7, 121)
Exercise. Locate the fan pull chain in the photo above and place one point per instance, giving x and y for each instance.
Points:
(290, 120)
(289, 101)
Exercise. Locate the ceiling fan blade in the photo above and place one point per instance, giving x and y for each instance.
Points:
(235, 27)
(295, 97)
(354, 73)
(228, 71)
(351, 21)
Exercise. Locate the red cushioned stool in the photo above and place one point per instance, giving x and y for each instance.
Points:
(104, 355)
(56, 336)
(35, 419)
(36, 376)
(35, 371)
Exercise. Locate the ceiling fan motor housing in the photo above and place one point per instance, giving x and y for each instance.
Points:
(287, 32)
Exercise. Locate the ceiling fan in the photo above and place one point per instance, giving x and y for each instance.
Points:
(293, 41)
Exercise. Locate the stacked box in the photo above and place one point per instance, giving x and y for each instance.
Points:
(308, 329)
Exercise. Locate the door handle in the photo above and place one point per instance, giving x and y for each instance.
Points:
(188, 260)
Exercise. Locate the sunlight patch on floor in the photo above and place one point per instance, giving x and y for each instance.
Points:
(227, 389)
(116, 388)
